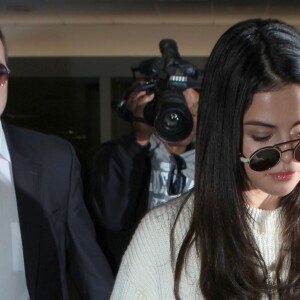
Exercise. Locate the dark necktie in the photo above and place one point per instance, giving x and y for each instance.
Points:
(177, 179)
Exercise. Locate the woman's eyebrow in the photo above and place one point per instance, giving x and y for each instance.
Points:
(260, 123)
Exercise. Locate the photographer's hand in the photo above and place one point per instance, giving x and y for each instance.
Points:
(136, 102)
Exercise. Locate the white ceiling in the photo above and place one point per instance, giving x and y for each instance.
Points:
(128, 27)
(144, 11)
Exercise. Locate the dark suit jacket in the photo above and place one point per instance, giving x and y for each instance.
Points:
(55, 226)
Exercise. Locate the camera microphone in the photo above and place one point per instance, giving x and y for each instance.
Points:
(169, 50)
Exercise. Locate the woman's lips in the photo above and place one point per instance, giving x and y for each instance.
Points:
(282, 176)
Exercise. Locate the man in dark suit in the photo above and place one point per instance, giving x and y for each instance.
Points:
(45, 228)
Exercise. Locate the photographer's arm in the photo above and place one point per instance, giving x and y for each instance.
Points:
(117, 182)
(119, 194)
(119, 169)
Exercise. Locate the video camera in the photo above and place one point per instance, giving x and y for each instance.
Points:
(168, 77)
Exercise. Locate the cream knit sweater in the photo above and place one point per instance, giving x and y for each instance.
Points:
(146, 271)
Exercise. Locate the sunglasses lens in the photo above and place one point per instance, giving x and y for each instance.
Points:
(3, 74)
(297, 152)
(265, 159)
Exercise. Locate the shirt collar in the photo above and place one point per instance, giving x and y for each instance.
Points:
(3, 145)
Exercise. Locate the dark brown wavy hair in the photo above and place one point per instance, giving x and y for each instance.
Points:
(251, 56)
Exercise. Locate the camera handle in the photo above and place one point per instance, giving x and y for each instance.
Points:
(127, 115)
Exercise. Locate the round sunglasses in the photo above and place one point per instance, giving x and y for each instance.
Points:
(267, 157)
(4, 74)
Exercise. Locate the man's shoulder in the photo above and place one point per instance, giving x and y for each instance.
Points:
(23, 137)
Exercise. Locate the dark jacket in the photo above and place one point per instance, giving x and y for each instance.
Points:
(56, 229)
(119, 193)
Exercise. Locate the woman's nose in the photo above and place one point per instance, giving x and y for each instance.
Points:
(287, 155)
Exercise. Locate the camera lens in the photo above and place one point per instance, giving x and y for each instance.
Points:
(173, 122)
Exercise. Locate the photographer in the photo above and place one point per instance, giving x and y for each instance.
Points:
(151, 166)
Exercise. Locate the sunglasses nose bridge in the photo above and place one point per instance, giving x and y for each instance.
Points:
(285, 147)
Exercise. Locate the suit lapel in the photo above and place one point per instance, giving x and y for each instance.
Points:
(26, 176)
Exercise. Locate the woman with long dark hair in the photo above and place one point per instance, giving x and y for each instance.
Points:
(237, 235)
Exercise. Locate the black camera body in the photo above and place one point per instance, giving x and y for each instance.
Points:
(168, 77)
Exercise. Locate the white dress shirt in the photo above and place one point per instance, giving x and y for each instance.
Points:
(12, 274)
